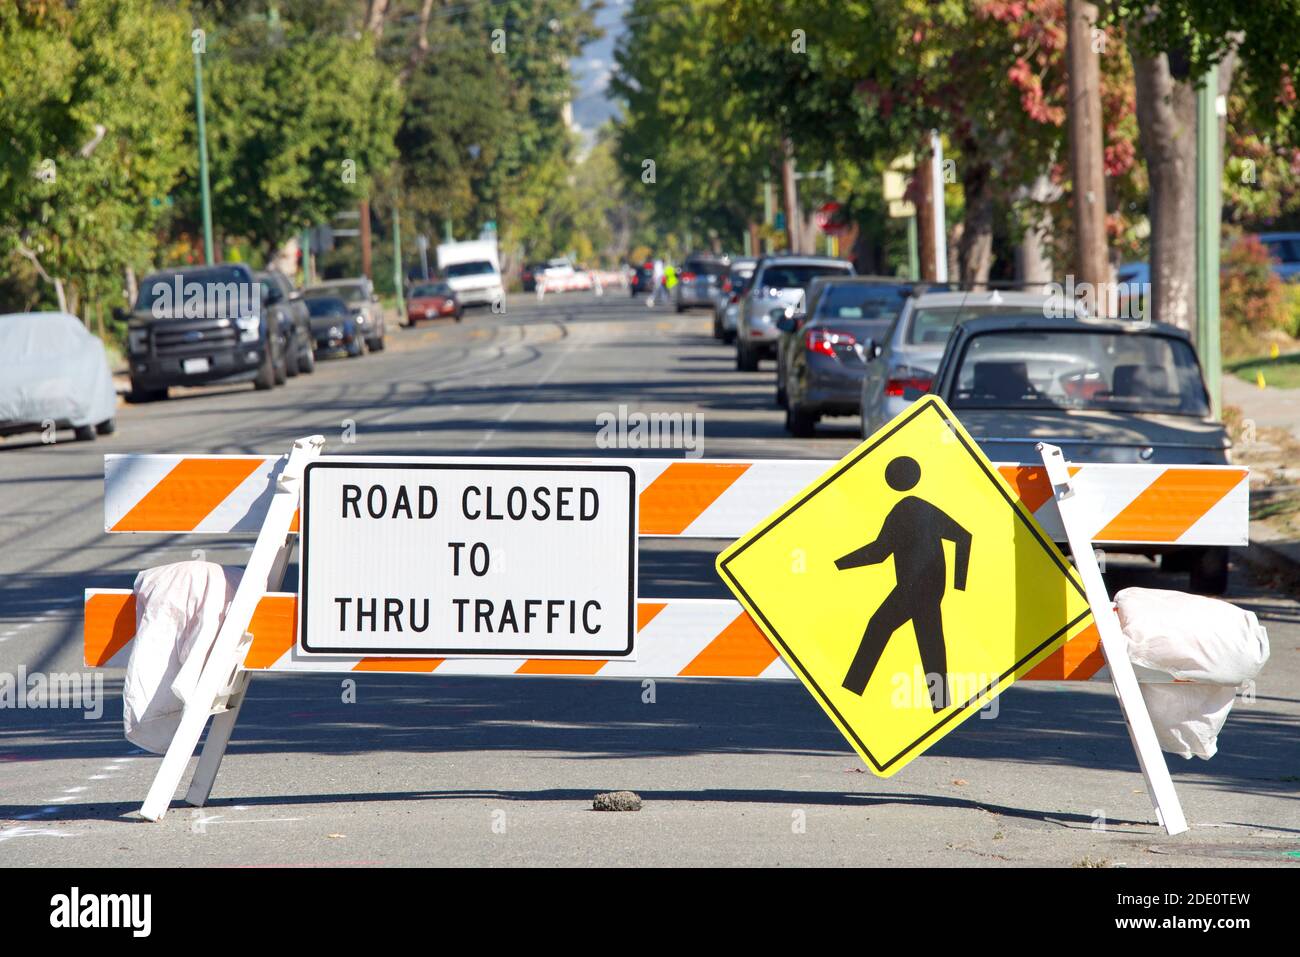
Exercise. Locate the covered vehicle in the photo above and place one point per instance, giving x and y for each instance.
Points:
(53, 372)
(429, 300)
(1102, 390)
(334, 326)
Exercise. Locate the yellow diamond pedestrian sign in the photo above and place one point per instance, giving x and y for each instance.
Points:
(907, 587)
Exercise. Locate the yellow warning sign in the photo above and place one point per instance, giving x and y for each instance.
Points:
(907, 586)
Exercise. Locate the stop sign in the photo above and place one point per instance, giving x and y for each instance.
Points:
(825, 216)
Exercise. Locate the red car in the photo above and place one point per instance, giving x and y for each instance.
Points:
(433, 300)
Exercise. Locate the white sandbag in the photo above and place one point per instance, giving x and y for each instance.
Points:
(178, 611)
(1187, 717)
(1209, 646)
(1192, 637)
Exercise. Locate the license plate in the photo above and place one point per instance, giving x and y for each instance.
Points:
(195, 366)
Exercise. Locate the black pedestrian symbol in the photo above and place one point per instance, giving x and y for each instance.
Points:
(913, 532)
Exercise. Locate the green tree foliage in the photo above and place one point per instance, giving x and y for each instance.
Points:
(91, 137)
(299, 122)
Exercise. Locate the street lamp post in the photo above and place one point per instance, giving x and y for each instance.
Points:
(1209, 206)
(205, 190)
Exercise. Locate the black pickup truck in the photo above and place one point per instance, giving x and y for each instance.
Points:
(207, 325)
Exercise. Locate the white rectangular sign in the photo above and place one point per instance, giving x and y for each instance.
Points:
(421, 557)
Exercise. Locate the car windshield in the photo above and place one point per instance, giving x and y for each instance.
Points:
(346, 293)
(1285, 250)
(933, 325)
(1114, 372)
(795, 276)
(326, 306)
(430, 289)
(457, 270)
(861, 302)
(216, 284)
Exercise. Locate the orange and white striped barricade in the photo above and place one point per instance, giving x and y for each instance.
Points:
(1129, 505)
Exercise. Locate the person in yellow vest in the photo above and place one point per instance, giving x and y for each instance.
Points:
(670, 281)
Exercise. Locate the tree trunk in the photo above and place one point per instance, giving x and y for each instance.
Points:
(1166, 114)
(975, 249)
(790, 191)
(375, 17)
(922, 191)
(1033, 264)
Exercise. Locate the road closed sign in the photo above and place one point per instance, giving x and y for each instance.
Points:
(437, 558)
(907, 587)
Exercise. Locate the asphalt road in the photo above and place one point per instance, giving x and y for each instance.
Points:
(437, 770)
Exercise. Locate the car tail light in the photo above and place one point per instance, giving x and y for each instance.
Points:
(902, 379)
(825, 340)
(735, 297)
(726, 286)
(688, 277)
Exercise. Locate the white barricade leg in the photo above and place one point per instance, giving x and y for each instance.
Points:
(214, 745)
(269, 555)
(1114, 646)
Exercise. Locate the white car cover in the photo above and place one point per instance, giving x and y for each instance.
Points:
(1212, 645)
(178, 611)
(52, 368)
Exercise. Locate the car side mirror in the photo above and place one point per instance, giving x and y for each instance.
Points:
(786, 324)
(912, 393)
(120, 314)
(872, 350)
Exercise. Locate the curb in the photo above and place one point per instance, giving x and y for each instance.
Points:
(1276, 555)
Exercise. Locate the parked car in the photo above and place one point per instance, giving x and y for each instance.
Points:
(1103, 390)
(528, 276)
(54, 374)
(286, 307)
(334, 326)
(910, 352)
(726, 306)
(819, 359)
(361, 298)
(779, 281)
(205, 325)
(642, 280)
(431, 300)
(1284, 248)
(699, 280)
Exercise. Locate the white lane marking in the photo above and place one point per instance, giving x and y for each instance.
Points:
(509, 413)
(21, 830)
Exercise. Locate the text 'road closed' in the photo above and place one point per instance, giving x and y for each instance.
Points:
(486, 558)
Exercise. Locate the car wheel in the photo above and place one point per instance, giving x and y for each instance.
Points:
(1209, 571)
(266, 375)
(717, 328)
(376, 344)
(781, 397)
(746, 359)
(307, 361)
(138, 395)
(84, 433)
(799, 422)
(107, 427)
(728, 336)
(356, 348)
(291, 364)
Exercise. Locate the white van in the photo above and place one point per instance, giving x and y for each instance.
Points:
(473, 270)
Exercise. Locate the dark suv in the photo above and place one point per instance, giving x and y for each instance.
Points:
(202, 326)
(286, 306)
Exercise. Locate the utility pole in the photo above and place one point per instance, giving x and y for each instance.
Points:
(923, 221)
(767, 207)
(205, 191)
(397, 261)
(1209, 206)
(305, 241)
(365, 237)
(1087, 171)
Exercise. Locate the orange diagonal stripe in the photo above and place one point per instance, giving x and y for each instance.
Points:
(1077, 660)
(741, 651)
(275, 628)
(550, 666)
(1170, 505)
(646, 612)
(683, 491)
(398, 664)
(109, 625)
(1030, 483)
(186, 495)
